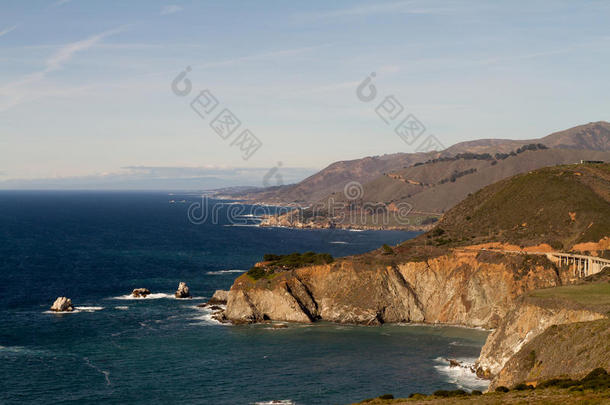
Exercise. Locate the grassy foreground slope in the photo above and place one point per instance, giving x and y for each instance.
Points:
(561, 205)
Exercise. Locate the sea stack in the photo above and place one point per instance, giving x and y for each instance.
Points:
(62, 304)
(183, 291)
(140, 292)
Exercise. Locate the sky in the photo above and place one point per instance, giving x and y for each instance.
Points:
(91, 94)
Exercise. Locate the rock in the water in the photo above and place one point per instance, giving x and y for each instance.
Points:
(62, 304)
(454, 363)
(219, 297)
(183, 291)
(140, 292)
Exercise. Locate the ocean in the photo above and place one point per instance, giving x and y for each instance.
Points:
(95, 247)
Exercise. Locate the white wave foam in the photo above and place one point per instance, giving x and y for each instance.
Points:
(218, 272)
(76, 310)
(122, 308)
(339, 242)
(275, 402)
(462, 376)
(154, 296)
(205, 316)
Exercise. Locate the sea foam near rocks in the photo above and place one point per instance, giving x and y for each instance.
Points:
(462, 376)
(219, 272)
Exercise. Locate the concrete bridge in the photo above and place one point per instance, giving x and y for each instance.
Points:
(581, 265)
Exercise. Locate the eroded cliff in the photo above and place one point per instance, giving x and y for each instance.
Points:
(460, 287)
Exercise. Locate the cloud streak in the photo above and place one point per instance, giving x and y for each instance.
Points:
(19, 91)
(7, 30)
(400, 7)
(171, 9)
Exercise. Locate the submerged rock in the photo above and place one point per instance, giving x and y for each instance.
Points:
(140, 292)
(183, 291)
(62, 304)
(219, 297)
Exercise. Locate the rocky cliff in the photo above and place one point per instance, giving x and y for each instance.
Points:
(461, 287)
(521, 325)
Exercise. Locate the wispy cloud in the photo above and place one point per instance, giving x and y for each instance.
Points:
(262, 56)
(19, 91)
(171, 9)
(60, 3)
(7, 30)
(401, 7)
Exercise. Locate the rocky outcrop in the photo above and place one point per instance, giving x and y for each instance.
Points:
(62, 304)
(526, 321)
(183, 291)
(219, 297)
(140, 292)
(568, 350)
(460, 287)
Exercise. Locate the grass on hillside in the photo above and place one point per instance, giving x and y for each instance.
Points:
(552, 205)
(586, 294)
(593, 387)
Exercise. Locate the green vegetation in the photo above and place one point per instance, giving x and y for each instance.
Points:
(387, 250)
(559, 390)
(586, 294)
(274, 264)
(563, 205)
(597, 379)
(448, 394)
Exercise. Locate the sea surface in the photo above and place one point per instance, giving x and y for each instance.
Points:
(96, 247)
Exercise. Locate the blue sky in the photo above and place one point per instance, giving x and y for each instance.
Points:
(86, 99)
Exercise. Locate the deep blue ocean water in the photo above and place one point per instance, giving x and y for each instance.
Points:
(96, 247)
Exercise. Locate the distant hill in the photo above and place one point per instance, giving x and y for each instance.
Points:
(561, 205)
(332, 179)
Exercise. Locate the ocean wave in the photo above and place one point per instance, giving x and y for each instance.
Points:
(219, 272)
(339, 242)
(462, 376)
(275, 402)
(76, 310)
(20, 350)
(154, 296)
(122, 308)
(205, 316)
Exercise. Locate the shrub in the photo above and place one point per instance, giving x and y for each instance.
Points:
(387, 250)
(502, 388)
(257, 272)
(523, 387)
(429, 220)
(386, 396)
(437, 232)
(476, 392)
(453, 393)
(417, 395)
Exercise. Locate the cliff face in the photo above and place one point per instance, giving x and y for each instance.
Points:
(520, 326)
(571, 350)
(458, 288)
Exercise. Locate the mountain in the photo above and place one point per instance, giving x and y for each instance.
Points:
(333, 179)
(428, 189)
